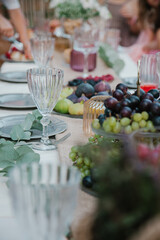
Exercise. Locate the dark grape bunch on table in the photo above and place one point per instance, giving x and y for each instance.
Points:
(126, 112)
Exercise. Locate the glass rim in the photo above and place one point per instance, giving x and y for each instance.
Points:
(43, 37)
(38, 69)
(148, 54)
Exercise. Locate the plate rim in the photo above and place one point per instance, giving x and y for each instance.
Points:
(129, 85)
(4, 58)
(17, 107)
(3, 135)
(5, 79)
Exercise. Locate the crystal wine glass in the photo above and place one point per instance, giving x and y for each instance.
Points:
(148, 72)
(44, 198)
(45, 85)
(42, 48)
(86, 41)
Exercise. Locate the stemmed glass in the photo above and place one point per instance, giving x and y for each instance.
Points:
(45, 85)
(86, 41)
(44, 198)
(148, 72)
(42, 48)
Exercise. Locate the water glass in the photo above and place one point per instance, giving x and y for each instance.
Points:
(42, 48)
(158, 64)
(45, 85)
(44, 197)
(148, 72)
(86, 41)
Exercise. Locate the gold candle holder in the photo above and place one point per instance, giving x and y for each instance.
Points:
(92, 109)
(138, 80)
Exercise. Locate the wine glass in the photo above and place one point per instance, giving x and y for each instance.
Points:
(42, 47)
(45, 85)
(86, 41)
(148, 72)
(44, 197)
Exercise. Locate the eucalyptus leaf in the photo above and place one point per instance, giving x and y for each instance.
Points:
(23, 150)
(28, 158)
(37, 114)
(4, 164)
(27, 124)
(27, 135)
(8, 153)
(17, 133)
(37, 125)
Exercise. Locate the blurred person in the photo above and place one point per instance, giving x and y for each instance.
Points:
(18, 21)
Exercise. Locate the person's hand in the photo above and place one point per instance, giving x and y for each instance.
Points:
(27, 49)
(54, 24)
(129, 10)
(6, 28)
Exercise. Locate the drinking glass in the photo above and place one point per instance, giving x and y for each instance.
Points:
(45, 85)
(44, 197)
(86, 42)
(148, 72)
(158, 64)
(42, 48)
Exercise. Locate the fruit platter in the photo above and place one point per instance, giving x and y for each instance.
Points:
(125, 112)
(78, 91)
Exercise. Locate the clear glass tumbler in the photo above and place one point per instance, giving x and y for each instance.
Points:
(42, 48)
(158, 64)
(148, 72)
(44, 198)
(45, 85)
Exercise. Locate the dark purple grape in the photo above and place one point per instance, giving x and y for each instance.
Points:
(154, 92)
(117, 107)
(134, 101)
(148, 96)
(142, 92)
(101, 118)
(145, 105)
(87, 182)
(155, 108)
(126, 102)
(128, 94)
(122, 87)
(75, 82)
(156, 121)
(110, 103)
(126, 112)
(118, 94)
(107, 112)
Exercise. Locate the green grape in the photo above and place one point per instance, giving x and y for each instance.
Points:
(72, 156)
(150, 126)
(85, 168)
(112, 121)
(128, 129)
(107, 128)
(96, 124)
(125, 121)
(137, 117)
(142, 123)
(83, 175)
(117, 128)
(106, 122)
(79, 161)
(74, 149)
(145, 115)
(87, 161)
(135, 126)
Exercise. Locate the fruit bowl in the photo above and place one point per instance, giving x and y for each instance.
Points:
(101, 132)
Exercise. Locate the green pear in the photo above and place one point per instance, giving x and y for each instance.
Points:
(76, 109)
(66, 92)
(63, 105)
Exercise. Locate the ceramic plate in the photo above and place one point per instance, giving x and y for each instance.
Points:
(14, 77)
(5, 59)
(7, 123)
(16, 101)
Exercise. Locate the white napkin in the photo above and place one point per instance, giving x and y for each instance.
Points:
(11, 67)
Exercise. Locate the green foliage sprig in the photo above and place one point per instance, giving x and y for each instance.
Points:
(74, 11)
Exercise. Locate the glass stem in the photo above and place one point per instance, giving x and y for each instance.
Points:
(45, 121)
(85, 69)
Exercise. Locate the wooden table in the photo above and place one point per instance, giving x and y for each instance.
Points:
(86, 203)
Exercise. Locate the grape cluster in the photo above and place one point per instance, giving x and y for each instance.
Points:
(126, 113)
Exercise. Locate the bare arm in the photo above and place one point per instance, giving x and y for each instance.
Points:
(6, 28)
(19, 23)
